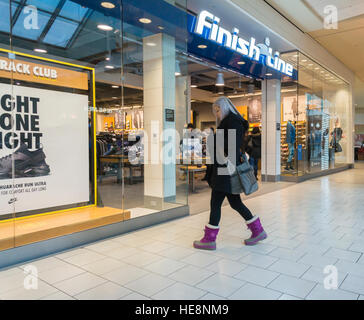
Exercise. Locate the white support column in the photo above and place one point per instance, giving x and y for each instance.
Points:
(271, 136)
(159, 94)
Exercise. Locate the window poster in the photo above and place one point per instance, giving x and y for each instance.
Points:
(294, 109)
(255, 111)
(44, 149)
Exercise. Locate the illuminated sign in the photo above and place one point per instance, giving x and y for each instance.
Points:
(206, 21)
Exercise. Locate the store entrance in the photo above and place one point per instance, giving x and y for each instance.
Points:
(208, 83)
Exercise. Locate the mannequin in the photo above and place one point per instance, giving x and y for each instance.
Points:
(290, 139)
(337, 135)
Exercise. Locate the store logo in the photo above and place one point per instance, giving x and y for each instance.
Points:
(11, 201)
(216, 33)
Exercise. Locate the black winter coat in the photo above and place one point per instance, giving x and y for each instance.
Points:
(231, 121)
(255, 151)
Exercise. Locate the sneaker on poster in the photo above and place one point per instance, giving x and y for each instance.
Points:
(26, 163)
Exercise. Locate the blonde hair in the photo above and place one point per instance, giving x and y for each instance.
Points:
(226, 106)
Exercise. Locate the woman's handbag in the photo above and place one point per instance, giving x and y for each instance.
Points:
(243, 179)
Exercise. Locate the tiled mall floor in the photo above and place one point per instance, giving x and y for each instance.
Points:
(310, 226)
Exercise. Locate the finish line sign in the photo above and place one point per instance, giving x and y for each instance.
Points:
(208, 27)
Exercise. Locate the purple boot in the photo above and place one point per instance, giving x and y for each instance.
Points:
(208, 242)
(257, 230)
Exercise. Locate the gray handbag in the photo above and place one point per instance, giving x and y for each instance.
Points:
(243, 179)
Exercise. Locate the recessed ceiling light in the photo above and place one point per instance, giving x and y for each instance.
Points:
(160, 28)
(193, 86)
(40, 50)
(109, 67)
(115, 97)
(241, 62)
(151, 44)
(304, 60)
(145, 20)
(115, 87)
(202, 46)
(107, 5)
(107, 58)
(177, 73)
(268, 74)
(104, 27)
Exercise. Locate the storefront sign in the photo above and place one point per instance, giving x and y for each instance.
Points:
(208, 26)
(169, 115)
(44, 149)
(35, 72)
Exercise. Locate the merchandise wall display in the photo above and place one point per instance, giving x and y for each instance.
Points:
(50, 146)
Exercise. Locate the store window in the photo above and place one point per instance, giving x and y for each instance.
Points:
(315, 119)
(80, 85)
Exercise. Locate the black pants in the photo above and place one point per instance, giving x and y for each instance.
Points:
(217, 198)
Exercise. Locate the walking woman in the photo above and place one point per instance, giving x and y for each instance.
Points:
(227, 118)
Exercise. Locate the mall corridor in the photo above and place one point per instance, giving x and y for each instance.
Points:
(310, 225)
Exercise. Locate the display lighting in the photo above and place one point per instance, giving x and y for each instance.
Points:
(193, 86)
(268, 74)
(150, 44)
(107, 5)
(220, 82)
(202, 46)
(40, 50)
(115, 87)
(109, 67)
(145, 20)
(178, 69)
(104, 27)
(241, 62)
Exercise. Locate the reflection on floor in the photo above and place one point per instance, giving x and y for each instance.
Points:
(310, 226)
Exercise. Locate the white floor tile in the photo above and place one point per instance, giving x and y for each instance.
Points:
(60, 273)
(121, 253)
(58, 296)
(210, 296)
(361, 297)
(220, 285)
(289, 268)
(125, 274)
(191, 275)
(253, 292)
(12, 280)
(43, 290)
(155, 246)
(103, 266)
(103, 246)
(320, 293)
(142, 259)
(150, 284)
(135, 296)
(200, 259)
(257, 276)
(288, 297)
(105, 291)
(45, 264)
(357, 247)
(84, 258)
(176, 253)
(226, 267)
(343, 254)
(258, 260)
(353, 284)
(317, 275)
(288, 254)
(165, 266)
(317, 260)
(292, 286)
(179, 291)
(79, 283)
(355, 269)
(70, 253)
